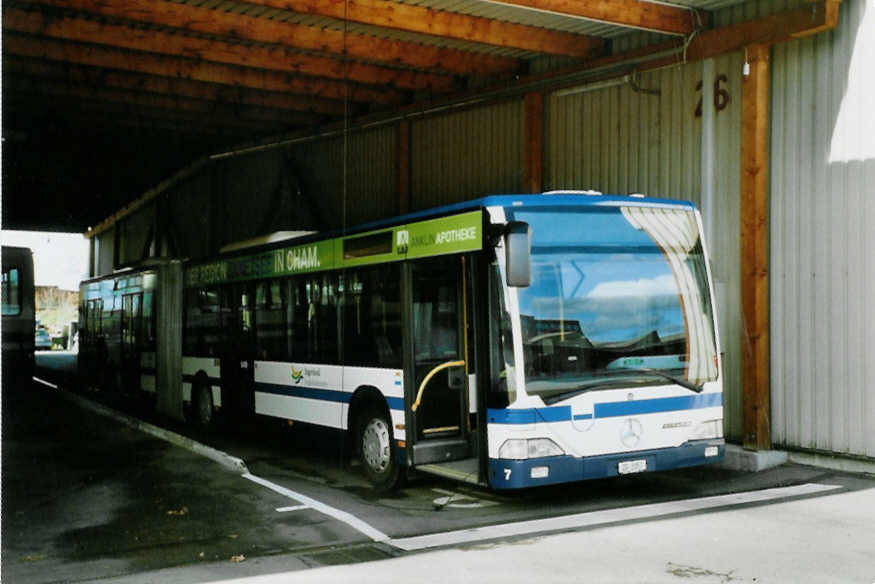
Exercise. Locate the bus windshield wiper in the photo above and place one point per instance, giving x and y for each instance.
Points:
(673, 378)
(593, 385)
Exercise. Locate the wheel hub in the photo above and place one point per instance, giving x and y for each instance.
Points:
(376, 448)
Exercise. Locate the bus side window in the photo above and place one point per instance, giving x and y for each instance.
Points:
(270, 322)
(371, 317)
(11, 293)
(191, 324)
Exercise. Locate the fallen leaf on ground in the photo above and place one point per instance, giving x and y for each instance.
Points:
(238, 559)
(178, 512)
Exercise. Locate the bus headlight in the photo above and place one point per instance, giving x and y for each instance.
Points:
(520, 449)
(709, 429)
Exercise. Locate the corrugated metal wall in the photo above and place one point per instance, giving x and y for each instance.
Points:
(371, 184)
(822, 218)
(467, 154)
(135, 232)
(619, 140)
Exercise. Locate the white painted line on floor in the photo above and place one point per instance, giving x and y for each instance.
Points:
(44, 382)
(292, 508)
(595, 518)
(342, 516)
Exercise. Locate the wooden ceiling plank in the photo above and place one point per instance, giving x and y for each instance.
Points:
(652, 16)
(442, 23)
(172, 86)
(153, 41)
(112, 58)
(245, 27)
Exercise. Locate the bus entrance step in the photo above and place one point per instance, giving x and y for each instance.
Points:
(440, 450)
(465, 471)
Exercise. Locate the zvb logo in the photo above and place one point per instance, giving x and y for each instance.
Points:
(630, 432)
(402, 241)
(297, 376)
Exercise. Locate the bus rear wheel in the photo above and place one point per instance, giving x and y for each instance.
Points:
(375, 447)
(203, 406)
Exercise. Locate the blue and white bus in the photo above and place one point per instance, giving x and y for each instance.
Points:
(509, 341)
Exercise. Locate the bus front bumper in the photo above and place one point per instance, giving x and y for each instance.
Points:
(519, 474)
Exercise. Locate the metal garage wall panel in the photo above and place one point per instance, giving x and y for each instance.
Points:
(104, 252)
(822, 213)
(618, 140)
(371, 189)
(725, 244)
(467, 154)
(188, 223)
(251, 198)
(135, 231)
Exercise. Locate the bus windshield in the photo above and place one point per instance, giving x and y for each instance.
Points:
(619, 298)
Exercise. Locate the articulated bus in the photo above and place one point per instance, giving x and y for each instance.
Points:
(509, 341)
(18, 313)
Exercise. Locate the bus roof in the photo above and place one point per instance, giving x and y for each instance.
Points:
(557, 198)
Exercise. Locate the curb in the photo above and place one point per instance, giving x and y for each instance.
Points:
(231, 463)
(737, 458)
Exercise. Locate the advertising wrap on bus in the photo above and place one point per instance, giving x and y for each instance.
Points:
(446, 235)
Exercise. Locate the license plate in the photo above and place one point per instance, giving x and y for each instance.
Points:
(632, 466)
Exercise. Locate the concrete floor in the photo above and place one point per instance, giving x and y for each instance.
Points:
(86, 498)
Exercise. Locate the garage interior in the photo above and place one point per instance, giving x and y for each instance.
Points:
(172, 128)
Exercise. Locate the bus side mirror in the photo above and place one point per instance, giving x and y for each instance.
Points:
(518, 253)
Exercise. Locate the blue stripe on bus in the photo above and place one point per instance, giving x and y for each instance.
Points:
(395, 403)
(653, 406)
(530, 415)
(607, 409)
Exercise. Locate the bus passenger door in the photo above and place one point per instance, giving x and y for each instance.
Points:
(237, 360)
(439, 393)
(131, 322)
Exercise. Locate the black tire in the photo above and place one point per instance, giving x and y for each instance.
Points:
(375, 444)
(202, 406)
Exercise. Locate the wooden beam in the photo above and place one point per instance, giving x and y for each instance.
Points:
(217, 111)
(633, 13)
(36, 104)
(112, 58)
(809, 19)
(402, 157)
(755, 249)
(94, 121)
(298, 36)
(75, 29)
(419, 19)
(236, 96)
(534, 142)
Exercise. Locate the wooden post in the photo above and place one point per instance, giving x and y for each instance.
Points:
(534, 143)
(403, 165)
(755, 248)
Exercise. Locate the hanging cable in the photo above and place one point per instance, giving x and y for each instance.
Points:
(345, 117)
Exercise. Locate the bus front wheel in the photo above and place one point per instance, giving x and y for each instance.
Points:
(375, 446)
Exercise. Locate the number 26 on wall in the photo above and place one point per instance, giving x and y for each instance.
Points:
(721, 95)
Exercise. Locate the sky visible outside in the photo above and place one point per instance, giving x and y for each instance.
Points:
(59, 259)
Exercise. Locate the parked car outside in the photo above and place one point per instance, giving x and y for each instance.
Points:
(42, 340)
